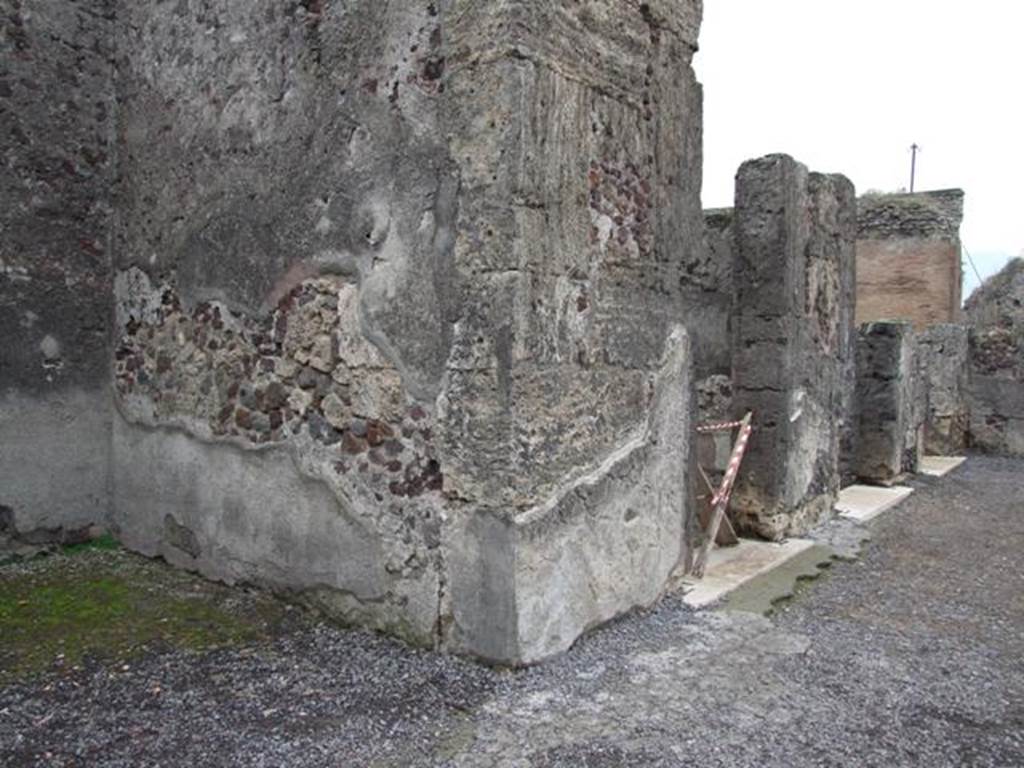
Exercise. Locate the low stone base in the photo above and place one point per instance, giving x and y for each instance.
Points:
(511, 589)
(785, 522)
(54, 466)
(524, 587)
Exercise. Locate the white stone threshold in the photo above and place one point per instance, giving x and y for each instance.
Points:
(866, 502)
(938, 466)
(730, 567)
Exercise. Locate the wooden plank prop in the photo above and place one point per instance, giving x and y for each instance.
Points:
(720, 498)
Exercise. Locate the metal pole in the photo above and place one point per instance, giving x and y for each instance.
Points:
(913, 165)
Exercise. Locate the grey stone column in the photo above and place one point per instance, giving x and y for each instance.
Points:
(794, 234)
(885, 397)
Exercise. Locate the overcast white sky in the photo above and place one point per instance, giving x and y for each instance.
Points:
(847, 87)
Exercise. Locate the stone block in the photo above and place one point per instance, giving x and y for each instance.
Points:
(943, 368)
(887, 414)
(793, 275)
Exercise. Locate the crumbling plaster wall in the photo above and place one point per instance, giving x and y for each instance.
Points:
(284, 285)
(398, 306)
(996, 387)
(908, 257)
(56, 120)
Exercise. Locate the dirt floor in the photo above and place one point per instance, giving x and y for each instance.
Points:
(911, 655)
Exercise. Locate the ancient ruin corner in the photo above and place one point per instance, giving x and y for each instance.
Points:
(374, 322)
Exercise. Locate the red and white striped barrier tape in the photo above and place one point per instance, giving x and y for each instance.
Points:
(734, 465)
(719, 427)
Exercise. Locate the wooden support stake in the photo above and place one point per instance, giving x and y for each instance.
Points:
(726, 534)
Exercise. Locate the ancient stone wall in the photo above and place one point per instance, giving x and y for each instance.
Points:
(707, 312)
(399, 295)
(794, 235)
(888, 417)
(56, 120)
(284, 290)
(708, 295)
(908, 257)
(943, 370)
(996, 390)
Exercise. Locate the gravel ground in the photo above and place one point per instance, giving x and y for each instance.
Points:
(912, 654)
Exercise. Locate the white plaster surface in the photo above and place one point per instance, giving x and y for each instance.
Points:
(866, 502)
(938, 466)
(731, 567)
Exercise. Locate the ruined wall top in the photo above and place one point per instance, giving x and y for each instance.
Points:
(936, 213)
(999, 301)
(719, 218)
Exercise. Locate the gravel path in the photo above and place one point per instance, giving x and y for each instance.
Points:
(911, 655)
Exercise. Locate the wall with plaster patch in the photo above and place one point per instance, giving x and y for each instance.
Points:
(428, 283)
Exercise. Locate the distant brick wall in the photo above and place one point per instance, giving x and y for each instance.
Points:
(908, 258)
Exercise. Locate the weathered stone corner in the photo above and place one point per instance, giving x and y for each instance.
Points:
(523, 586)
(386, 296)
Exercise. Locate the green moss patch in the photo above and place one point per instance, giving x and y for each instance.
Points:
(106, 541)
(105, 605)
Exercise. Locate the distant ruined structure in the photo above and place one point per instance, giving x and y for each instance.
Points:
(410, 310)
(996, 374)
(908, 257)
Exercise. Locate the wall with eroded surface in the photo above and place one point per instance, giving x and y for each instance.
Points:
(58, 163)
(399, 295)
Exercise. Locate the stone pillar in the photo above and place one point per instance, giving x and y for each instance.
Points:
(885, 398)
(566, 413)
(913, 436)
(847, 411)
(794, 234)
(943, 358)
